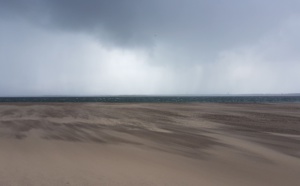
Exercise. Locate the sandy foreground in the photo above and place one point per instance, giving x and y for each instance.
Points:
(149, 144)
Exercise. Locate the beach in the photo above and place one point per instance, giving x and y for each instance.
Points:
(149, 144)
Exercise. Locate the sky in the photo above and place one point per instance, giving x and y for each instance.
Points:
(142, 47)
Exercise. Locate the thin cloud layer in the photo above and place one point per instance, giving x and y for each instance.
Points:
(62, 47)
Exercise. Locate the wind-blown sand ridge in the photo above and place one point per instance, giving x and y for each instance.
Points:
(149, 144)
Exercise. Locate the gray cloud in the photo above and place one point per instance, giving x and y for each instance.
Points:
(210, 24)
(175, 46)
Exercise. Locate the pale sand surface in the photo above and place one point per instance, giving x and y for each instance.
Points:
(149, 144)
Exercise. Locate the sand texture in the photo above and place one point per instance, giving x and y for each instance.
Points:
(92, 144)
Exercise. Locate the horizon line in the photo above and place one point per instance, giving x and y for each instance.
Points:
(154, 95)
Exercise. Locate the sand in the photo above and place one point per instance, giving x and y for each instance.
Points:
(149, 144)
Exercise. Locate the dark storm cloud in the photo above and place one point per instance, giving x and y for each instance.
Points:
(204, 25)
(142, 47)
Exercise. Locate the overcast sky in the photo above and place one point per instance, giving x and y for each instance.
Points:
(121, 47)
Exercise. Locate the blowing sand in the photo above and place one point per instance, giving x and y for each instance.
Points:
(149, 144)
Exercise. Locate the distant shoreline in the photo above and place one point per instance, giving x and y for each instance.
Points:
(154, 95)
(161, 99)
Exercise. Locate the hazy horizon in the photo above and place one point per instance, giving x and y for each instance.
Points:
(156, 95)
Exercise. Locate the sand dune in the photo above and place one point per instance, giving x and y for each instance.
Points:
(149, 144)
